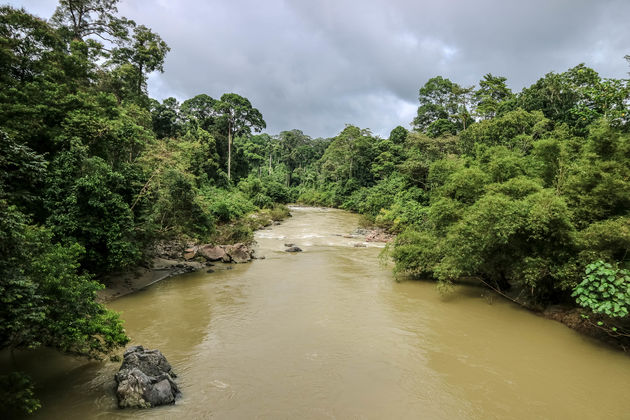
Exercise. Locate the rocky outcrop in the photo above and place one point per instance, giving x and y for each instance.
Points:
(211, 252)
(145, 379)
(237, 253)
(190, 253)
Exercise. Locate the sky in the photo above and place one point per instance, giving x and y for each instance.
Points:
(317, 65)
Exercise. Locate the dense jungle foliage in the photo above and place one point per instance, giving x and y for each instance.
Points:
(526, 192)
(93, 171)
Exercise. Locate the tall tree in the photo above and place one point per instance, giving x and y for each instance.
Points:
(145, 52)
(291, 146)
(398, 135)
(492, 92)
(166, 117)
(199, 111)
(444, 107)
(349, 157)
(240, 118)
(85, 18)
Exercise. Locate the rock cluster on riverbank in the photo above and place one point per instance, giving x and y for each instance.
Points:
(172, 258)
(238, 253)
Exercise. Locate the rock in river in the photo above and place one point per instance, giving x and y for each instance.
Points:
(293, 249)
(145, 379)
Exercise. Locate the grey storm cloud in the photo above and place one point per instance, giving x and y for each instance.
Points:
(317, 65)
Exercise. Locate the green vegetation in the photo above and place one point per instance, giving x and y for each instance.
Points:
(93, 171)
(605, 289)
(520, 191)
(523, 191)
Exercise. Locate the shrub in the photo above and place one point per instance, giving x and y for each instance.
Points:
(226, 205)
(605, 289)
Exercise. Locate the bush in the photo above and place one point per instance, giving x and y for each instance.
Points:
(91, 210)
(279, 212)
(45, 300)
(605, 289)
(226, 205)
(231, 233)
(264, 192)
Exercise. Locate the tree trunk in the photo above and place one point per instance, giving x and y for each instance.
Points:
(229, 150)
(140, 80)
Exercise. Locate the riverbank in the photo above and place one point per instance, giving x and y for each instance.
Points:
(138, 278)
(169, 258)
(596, 326)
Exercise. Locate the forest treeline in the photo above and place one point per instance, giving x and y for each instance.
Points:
(526, 191)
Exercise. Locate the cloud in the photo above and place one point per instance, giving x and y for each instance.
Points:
(318, 65)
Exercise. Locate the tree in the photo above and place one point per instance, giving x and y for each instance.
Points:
(492, 92)
(199, 111)
(444, 107)
(84, 18)
(45, 301)
(514, 129)
(240, 118)
(258, 151)
(398, 135)
(348, 158)
(291, 147)
(21, 171)
(578, 97)
(146, 53)
(166, 118)
(436, 102)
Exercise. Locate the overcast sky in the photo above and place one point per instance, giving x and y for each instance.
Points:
(317, 65)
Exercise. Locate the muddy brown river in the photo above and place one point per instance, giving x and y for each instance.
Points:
(330, 334)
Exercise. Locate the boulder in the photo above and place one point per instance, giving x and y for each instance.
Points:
(211, 252)
(239, 253)
(145, 379)
(293, 249)
(190, 253)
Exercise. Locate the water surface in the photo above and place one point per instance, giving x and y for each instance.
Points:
(329, 333)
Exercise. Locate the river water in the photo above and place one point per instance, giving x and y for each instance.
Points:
(329, 333)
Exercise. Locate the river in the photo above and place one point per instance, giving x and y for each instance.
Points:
(330, 334)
